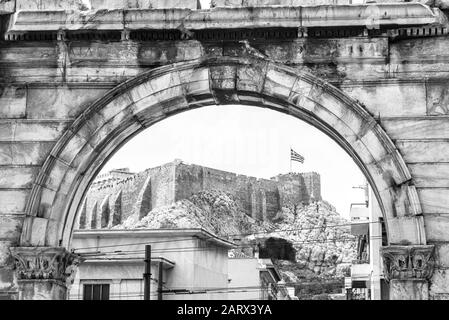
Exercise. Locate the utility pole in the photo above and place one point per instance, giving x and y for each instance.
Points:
(147, 274)
(160, 282)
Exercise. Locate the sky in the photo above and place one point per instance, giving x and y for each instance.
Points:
(246, 140)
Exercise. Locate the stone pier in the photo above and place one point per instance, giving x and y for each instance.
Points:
(408, 269)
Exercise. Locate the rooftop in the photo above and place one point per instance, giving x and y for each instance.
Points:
(138, 234)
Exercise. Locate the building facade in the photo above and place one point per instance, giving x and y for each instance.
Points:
(367, 281)
(255, 279)
(192, 264)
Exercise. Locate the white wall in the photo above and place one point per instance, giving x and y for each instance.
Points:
(195, 268)
(244, 273)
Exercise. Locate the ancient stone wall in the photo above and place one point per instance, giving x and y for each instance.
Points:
(258, 197)
(114, 200)
(111, 201)
(295, 188)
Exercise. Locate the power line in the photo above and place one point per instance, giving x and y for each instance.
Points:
(135, 243)
(233, 235)
(194, 249)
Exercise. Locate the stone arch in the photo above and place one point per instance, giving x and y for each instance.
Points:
(157, 94)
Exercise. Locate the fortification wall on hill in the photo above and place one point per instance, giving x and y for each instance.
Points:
(114, 197)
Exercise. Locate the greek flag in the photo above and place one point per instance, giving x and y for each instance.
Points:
(295, 156)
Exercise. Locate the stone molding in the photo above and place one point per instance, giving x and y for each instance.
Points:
(45, 263)
(400, 14)
(408, 262)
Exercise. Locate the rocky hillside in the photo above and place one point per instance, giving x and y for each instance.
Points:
(322, 244)
(214, 211)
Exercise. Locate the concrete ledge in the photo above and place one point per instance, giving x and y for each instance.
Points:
(227, 17)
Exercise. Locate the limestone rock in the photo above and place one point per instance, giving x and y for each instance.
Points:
(320, 241)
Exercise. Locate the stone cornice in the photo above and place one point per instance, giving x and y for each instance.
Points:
(399, 14)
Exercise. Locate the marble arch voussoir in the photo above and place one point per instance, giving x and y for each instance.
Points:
(154, 95)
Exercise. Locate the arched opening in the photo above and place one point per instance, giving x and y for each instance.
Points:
(155, 95)
(233, 177)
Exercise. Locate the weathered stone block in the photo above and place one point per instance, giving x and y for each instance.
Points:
(59, 169)
(6, 281)
(390, 100)
(34, 231)
(424, 150)
(71, 150)
(409, 290)
(42, 289)
(375, 146)
(223, 77)
(70, 178)
(31, 130)
(278, 83)
(5, 257)
(442, 254)
(436, 227)
(12, 102)
(404, 230)
(434, 175)
(24, 153)
(431, 128)
(251, 78)
(440, 282)
(17, 177)
(196, 85)
(60, 102)
(121, 103)
(47, 197)
(13, 201)
(165, 82)
(10, 227)
(434, 200)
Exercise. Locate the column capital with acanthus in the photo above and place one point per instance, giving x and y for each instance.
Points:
(408, 262)
(45, 263)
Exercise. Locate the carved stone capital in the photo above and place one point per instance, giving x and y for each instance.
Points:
(408, 262)
(45, 263)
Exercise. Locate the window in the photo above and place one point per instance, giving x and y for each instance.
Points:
(96, 292)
